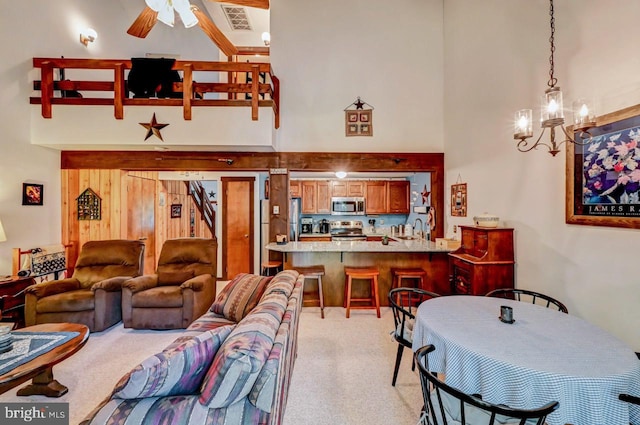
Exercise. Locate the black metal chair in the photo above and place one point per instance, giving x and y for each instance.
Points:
(446, 405)
(404, 302)
(532, 296)
(630, 398)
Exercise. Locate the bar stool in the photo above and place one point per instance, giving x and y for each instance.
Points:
(399, 273)
(367, 273)
(314, 272)
(271, 266)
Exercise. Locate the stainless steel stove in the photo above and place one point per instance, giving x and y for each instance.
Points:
(346, 231)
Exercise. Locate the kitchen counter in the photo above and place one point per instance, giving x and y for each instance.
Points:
(336, 255)
(410, 245)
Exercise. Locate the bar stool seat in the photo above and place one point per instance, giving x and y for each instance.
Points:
(314, 272)
(271, 266)
(399, 273)
(365, 273)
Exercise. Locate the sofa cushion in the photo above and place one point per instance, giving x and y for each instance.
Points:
(237, 364)
(178, 369)
(174, 278)
(209, 321)
(240, 296)
(79, 300)
(283, 284)
(160, 296)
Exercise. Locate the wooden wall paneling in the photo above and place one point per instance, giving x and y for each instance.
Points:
(94, 225)
(162, 214)
(84, 227)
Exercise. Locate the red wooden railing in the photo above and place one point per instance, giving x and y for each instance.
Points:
(54, 92)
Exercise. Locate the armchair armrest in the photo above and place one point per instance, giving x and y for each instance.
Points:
(113, 284)
(141, 283)
(45, 289)
(196, 283)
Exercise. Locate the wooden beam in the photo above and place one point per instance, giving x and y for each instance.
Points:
(187, 93)
(255, 80)
(260, 4)
(47, 88)
(119, 92)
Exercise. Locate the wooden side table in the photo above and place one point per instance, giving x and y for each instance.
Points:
(12, 299)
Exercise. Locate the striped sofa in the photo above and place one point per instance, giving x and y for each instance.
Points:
(220, 371)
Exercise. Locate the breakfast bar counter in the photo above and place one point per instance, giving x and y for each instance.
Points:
(336, 255)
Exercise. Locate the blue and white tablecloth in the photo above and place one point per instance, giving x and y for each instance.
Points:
(29, 345)
(544, 356)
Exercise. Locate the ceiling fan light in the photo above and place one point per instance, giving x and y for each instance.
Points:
(155, 5)
(166, 14)
(187, 16)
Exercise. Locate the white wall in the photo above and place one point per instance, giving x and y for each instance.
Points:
(499, 64)
(327, 53)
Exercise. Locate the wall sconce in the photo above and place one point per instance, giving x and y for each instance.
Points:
(266, 38)
(341, 174)
(88, 35)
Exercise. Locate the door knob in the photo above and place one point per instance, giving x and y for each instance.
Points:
(246, 236)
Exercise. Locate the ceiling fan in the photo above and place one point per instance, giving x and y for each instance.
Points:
(164, 11)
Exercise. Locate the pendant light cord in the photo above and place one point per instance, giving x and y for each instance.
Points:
(552, 80)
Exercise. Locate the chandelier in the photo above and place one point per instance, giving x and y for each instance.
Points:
(552, 113)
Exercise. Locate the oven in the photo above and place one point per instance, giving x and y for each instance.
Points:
(349, 231)
(347, 205)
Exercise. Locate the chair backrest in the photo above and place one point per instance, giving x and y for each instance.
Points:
(100, 260)
(526, 295)
(446, 405)
(197, 255)
(404, 302)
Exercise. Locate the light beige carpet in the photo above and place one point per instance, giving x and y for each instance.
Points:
(342, 375)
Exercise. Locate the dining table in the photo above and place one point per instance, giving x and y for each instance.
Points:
(543, 355)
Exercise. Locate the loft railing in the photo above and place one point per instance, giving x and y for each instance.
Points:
(199, 195)
(263, 88)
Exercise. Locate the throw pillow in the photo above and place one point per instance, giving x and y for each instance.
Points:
(178, 370)
(240, 296)
(174, 278)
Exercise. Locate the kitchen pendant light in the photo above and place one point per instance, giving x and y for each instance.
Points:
(552, 113)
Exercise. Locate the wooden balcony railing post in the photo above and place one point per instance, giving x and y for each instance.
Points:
(118, 91)
(276, 100)
(255, 74)
(187, 90)
(46, 88)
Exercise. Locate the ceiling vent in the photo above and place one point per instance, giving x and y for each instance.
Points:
(238, 18)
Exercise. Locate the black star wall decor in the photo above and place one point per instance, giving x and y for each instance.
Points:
(153, 128)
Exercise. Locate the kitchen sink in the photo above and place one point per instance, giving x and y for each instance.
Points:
(405, 238)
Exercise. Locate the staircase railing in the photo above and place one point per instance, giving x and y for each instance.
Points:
(199, 196)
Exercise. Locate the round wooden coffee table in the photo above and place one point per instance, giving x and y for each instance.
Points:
(40, 368)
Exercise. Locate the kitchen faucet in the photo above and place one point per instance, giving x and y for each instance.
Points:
(415, 227)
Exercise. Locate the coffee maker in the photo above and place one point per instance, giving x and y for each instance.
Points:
(324, 226)
(306, 225)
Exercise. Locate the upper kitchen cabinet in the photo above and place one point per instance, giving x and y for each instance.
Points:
(387, 197)
(398, 196)
(376, 197)
(347, 188)
(294, 189)
(316, 196)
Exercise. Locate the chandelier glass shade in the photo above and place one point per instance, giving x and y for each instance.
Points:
(552, 113)
(166, 11)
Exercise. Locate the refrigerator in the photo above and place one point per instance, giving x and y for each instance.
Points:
(294, 225)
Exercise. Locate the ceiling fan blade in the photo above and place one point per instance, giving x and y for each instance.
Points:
(143, 23)
(214, 33)
(260, 4)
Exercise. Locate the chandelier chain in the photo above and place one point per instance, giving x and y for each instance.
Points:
(552, 80)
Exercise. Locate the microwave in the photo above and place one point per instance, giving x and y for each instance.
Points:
(347, 206)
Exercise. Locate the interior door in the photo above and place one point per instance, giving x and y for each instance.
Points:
(141, 194)
(237, 226)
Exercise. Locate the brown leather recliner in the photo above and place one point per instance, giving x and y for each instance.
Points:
(181, 290)
(92, 296)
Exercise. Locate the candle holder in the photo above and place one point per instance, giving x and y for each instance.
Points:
(506, 314)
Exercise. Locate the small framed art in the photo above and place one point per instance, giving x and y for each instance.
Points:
(176, 210)
(32, 194)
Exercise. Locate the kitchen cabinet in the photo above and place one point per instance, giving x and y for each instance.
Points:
(398, 197)
(323, 191)
(348, 188)
(308, 195)
(294, 189)
(376, 197)
(484, 261)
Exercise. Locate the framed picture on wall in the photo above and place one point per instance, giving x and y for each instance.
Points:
(603, 174)
(32, 194)
(176, 210)
(459, 200)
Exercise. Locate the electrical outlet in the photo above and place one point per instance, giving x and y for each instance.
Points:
(276, 209)
(455, 228)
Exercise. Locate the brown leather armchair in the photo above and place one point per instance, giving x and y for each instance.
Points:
(92, 296)
(181, 290)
